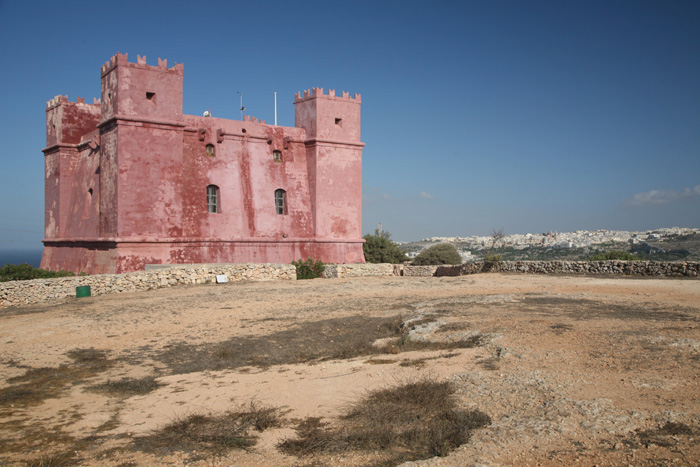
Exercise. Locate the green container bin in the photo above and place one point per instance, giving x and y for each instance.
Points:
(82, 291)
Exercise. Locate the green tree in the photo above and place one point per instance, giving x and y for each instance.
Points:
(443, 253)
(379, 248)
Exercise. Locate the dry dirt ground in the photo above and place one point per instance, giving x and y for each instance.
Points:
(569, 369)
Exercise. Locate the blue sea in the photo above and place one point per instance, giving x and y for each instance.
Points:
(29, 256)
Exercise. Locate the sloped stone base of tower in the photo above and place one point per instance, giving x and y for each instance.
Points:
(94, 257)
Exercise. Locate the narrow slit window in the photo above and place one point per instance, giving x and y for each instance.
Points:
(277, 155)
(281, 202)
(213, 201)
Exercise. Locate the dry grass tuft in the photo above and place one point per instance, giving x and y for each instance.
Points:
(413, 421)
(127, 387)
(63, 459)
(212, 433)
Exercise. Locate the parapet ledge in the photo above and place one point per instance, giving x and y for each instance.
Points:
(123, 59)
(318, 92)
(58, 100)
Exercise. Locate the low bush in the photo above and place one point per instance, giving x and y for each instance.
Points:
(309, 269)
(614, 255)
(444, 253)
(24, 272)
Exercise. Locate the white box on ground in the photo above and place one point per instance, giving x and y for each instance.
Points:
(221, 278)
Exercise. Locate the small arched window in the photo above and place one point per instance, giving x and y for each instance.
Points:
(210, 150)
(277, 155)
(281, 201)
(88, 204)
(213, 201)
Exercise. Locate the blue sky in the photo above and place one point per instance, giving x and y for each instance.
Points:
(528, 116)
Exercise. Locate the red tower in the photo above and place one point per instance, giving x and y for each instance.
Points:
(131, 181)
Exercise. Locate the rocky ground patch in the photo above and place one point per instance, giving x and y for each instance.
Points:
(524, 369)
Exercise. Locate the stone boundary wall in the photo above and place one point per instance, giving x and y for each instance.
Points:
(626, 268)
(42, 290)
(629, 268)
(337, 271)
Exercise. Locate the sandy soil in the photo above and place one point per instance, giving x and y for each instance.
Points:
(597, 371)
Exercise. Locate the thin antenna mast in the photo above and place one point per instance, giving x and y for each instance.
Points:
(275, 108)
(242, 108)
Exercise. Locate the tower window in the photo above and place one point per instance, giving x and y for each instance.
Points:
(339, 121)
(280, 201)
(213, 204)
(277, 155)
(210, 150)
(150, 95)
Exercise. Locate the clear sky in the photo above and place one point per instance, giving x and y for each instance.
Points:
(529, 116)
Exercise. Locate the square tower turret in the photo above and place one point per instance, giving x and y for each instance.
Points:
(334, 151)
(138, 89)
(328, 116)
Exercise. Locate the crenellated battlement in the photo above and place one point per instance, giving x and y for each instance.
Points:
(123, 60)
(58, 100)
(248, 118)
(318, 92)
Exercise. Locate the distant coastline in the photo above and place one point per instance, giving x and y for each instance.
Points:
(31, 256)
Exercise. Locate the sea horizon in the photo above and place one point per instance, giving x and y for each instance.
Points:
(31, 256)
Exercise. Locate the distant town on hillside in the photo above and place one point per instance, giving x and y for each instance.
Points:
(664, 244)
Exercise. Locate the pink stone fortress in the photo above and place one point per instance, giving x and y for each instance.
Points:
(132, 181)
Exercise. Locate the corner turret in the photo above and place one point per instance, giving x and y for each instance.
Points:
(67, 122)
(138, 89)
(328, 116)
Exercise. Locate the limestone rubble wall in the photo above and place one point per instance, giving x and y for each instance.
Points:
(336, 271)
(41, 290)
(629, 268)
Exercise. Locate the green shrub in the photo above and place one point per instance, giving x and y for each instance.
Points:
(614, 254)
(444, 253)
(309, 269)
(493, 259)
(23, 272)
(379, 248)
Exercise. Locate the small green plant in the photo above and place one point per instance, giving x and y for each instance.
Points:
(23, 272)
(379, 248)
(444, 253)
(493, 259)
(309, 269)
(614, 255)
